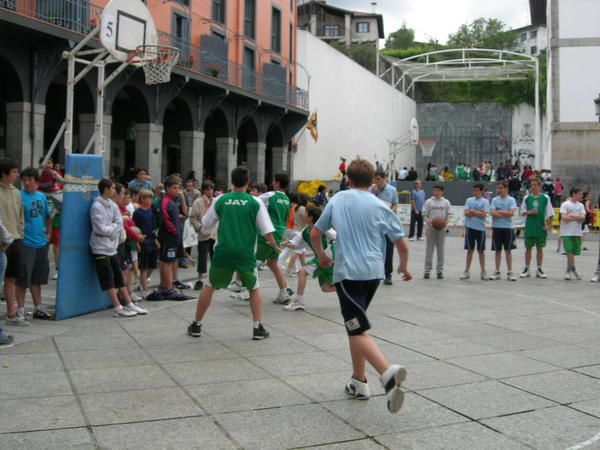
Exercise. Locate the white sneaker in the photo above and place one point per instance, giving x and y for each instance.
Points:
(511, 276)
(465, 276)
(282, 299)
(484, 276)
(17, 320)
(235, 287)
(124, 312)
(595, 279)
(525, 273)
(136, 309)
(392, 380)
(494, 276)
(358, 389)
(540, 274)
(568, 275)
(576, 274)
(294, 305)
(411, 239)
(55, 277)
(421, 239)
(135, 296)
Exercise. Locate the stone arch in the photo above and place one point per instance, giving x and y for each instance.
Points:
(216, 129)
(130, 109)
(11, 92)
(177, 122)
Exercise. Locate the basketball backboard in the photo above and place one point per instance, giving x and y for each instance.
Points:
(126, 25)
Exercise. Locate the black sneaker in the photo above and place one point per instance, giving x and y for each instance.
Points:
(260, 333)
(179, 285)
(199, 285)
(195, 329)
(426, 276)
(388, 281)
(440, 276)
(42, 314)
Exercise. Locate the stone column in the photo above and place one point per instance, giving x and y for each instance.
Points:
(148, 148)
(256, 161)
(226, 161)
(280, 162)
(192, 152)
(348, 29)
(87, 126)
(19, 144)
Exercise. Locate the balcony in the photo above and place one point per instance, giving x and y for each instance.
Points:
(204, 60)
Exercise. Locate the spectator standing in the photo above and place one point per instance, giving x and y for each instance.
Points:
(35, 244)
(572, 216)
(403, 174)
(476, 211)
(417, 201)
(503, 209)
(558, 191)
(436, 206)
(11, 211)
(5, 240)
(143, 217)
(169, 234)
(412, 175)
(141, 180)
(389, 196)
(321, 198)
(206, 238)
(514, 189)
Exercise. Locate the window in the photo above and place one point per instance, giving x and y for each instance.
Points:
(534, 35)
(218, 11)
(534, 50)
(363, 27)
(276, 31)
(181, 35)
(523, 37)
(291, 54)
(331, 30)
(249, 76)
(292, 5)
(250, 18)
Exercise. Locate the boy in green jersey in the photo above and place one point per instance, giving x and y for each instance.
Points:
(278, 205)
(539, 215)
(240, 217)
(312, 267)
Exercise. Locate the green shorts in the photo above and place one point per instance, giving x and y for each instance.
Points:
(535, 241)
(325, 276)
(264, 251)
(572, 244)
(220, 278)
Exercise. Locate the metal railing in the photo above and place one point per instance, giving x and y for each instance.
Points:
(77, 16)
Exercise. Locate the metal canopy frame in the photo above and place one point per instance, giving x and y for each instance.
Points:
(467, 64)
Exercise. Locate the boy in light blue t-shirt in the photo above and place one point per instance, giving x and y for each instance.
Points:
(476, 210)
(503, 209)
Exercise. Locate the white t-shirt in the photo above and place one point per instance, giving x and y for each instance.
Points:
(571, 227)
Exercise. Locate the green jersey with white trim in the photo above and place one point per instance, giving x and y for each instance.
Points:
(534, 225)
(278, 205)
(241, 217)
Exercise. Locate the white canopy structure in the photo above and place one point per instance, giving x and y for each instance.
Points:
(467, 64)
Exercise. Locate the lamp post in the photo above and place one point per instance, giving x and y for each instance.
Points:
(597, 104)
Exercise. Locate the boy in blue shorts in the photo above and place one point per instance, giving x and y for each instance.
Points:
(312, 268)
(240, 217)
(503, 209)
(476, 210)
(362, 223)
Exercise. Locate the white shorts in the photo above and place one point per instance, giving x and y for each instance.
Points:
(134, 255)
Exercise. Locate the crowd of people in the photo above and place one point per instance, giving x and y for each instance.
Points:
(138, 228)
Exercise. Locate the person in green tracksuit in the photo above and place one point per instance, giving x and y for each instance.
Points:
(537, 208)
(312, 267)
(278, 206)
(240, 217)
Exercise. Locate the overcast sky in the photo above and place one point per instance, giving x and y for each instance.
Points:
(438, 18)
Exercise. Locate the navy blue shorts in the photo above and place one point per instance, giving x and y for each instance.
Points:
(355, 297)
(474, 239)
(502, 238)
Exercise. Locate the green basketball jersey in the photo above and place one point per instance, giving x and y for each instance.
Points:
(236, 236)
(279, 209)
(534, 225)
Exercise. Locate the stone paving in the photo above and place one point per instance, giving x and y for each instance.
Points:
(491, 365)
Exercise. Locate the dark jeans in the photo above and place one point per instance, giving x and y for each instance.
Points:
(389, 257)
(205, 254)
(418, 220)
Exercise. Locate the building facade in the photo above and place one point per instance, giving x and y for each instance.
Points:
(573, 84)
(531, 40)
(232, 98)
(331, 23)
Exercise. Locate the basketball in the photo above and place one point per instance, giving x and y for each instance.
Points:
(438, 223)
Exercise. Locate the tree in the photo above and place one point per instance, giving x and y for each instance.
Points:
(483, 33)
(402, 38)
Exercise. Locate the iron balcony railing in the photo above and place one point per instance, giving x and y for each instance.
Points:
(78, 15)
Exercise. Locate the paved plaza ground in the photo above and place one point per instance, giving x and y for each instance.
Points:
(491, 365)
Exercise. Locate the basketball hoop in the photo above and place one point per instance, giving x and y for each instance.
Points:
(427, 147)
(156, 60)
